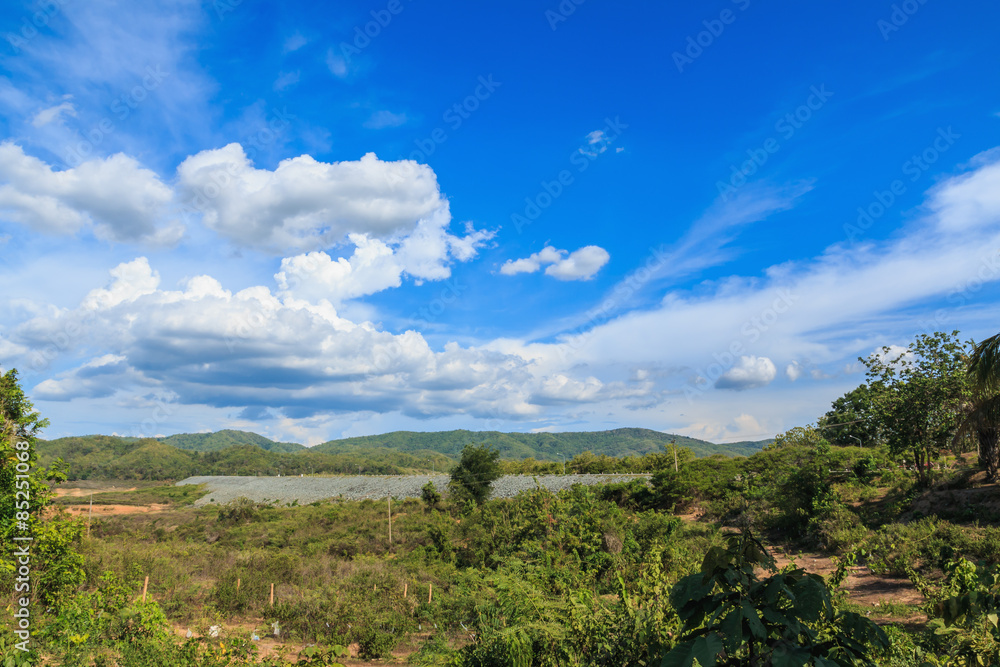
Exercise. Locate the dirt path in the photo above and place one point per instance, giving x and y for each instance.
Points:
(84, 493)
(111, 510)
(863, 587)
(269, 647)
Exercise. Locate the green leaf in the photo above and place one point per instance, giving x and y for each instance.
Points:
(772, 615)
(703, 649)
(811, 597)
(687, 590)
(864, 630)
(756, 627)
(823, 662)
(716, 559)
(731, 628)
(790, 656)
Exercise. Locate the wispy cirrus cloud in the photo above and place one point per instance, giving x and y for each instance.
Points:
(382, 119)
(53, 114)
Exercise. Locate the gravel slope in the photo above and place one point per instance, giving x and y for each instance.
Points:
(222, 489)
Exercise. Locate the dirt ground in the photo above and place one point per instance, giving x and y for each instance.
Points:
(111, 510)
(268, 646)
(79, 492)
(862, 586)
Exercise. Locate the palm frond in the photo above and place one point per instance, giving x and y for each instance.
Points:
(984, 365)
(983, 422)
(984, 414)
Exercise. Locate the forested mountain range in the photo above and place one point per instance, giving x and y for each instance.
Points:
(544, 446)
(232, 452)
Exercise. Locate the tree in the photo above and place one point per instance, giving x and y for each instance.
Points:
(430, 495)
(56, 565)
(983, 409)
(918, 396)
(19, 426)
(852, 420)
(477, 469)
(984, 365)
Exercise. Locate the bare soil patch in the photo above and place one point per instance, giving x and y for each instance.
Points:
(863, 587)
(268, 646)
(111, 510)
(84, 493)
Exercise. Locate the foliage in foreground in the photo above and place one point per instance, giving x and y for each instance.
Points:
(731, 617)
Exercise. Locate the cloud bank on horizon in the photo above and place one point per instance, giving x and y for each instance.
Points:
(307, 244)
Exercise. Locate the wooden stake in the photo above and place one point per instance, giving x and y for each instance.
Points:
(272, 595)
(404, 588)
(389, 498)
(145, 585)
(91, 512)
(430, 591)
(238, 582)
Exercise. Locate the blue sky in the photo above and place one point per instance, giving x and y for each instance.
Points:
(322, 221)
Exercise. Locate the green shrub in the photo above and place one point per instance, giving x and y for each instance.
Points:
(247, 584)
(374, 644)
(433, 651)
(241, 510)
(633, 495)
(865, 468)
(841, 530)
(430, 495)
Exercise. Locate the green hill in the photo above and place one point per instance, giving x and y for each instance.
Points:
(241, 453)
(213, 442)
(112, 457)
(542, 446)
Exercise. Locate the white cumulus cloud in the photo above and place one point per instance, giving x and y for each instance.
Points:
(257, 349)
(314, 276)
(747, 373)
(305, 204)
(115, 196)
(794, 371)
(581, 264)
